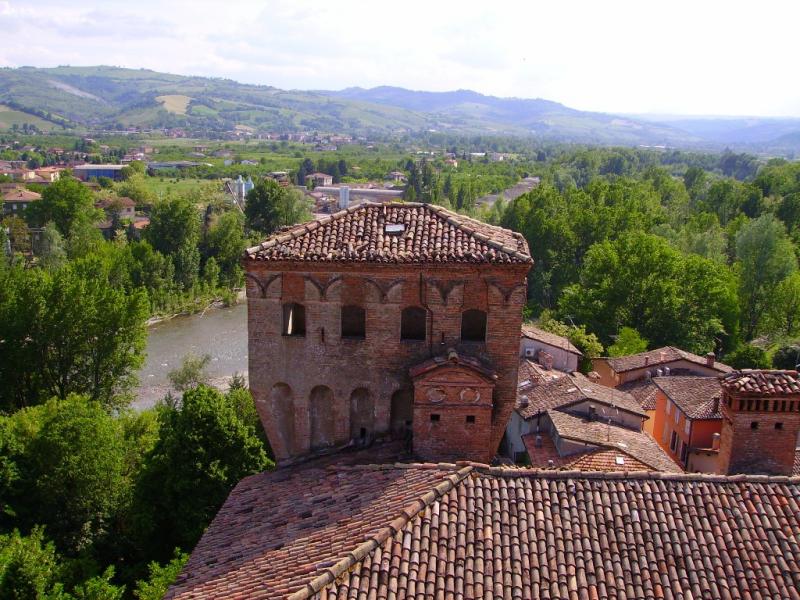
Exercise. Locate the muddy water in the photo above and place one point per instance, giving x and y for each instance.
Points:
(222, 333)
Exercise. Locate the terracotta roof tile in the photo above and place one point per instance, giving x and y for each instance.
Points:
(426, 234)
(20, 195)
(762, 383)
(551, 339)
(531, 373)
(574, 388)
(644, 390)
(659, 356)
(596, 433)
(501, 533)
(697, 397)
(608, 461)
(541, 450)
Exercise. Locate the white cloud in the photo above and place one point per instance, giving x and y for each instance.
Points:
(708, 57)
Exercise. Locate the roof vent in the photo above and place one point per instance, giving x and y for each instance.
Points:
(394, 228)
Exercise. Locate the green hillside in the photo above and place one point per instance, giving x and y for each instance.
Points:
(80, 98)
(110, 97)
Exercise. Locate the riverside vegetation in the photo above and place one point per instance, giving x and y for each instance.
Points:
(633, 249)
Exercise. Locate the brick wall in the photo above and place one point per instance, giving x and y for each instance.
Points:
(765, 449)
(363, 375)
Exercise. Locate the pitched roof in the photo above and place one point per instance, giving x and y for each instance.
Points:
(609, 461)
(446, 531)
(426, 234)
(596, 433)
(531, 373)
(762, 383)
(574, 388)
(644, 390)
(551, 339)
(20, 195)
(659, 356)
(120, 201)
(697, 397)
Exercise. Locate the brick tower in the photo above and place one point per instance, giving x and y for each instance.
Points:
(760, 422)
(367, 322)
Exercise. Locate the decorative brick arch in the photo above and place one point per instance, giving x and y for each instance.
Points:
(263, 286)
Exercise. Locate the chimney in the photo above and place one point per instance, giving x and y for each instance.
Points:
(538, 441)
(715, 441)
(594, 376)
(551, 464)
(646, 360)
(711, 358)
(592, 412)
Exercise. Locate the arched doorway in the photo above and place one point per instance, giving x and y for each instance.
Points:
(321, 412)
(362, 415)
(401, 412)
(281, 406)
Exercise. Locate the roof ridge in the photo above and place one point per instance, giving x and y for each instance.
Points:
(331, 573)
(634, 475)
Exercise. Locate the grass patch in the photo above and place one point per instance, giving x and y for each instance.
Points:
(175, 103)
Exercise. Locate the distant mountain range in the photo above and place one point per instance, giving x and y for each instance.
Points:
(110, 97)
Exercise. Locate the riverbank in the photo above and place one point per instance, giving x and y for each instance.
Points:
(220, 332)
(215, 304)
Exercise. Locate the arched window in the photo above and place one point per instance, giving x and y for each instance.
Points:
(473, 326)
(353, 322)
(401, 412)
(294, 319)
(413, 323)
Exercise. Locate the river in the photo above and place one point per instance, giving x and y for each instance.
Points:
(221, 333)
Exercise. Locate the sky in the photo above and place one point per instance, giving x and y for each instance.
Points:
(699, 57)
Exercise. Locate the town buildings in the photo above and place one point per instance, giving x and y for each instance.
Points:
(87, 172)
(387, 318)
(614, 372)
(16, 199)
(406, 319)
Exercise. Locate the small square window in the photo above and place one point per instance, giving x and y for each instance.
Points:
(779, 425)
(434, 418)
(470, 418)
(753, 424)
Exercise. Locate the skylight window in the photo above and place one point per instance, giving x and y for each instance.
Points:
(620, 460)
(394, 228)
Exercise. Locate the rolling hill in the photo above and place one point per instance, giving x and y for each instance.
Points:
(82, 98)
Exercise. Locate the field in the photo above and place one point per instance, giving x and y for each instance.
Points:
(10, 117)
(175, 103)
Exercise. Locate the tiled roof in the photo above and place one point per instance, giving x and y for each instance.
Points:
(477, 532)
(608, 461)
(762, 383)
(644, 390)
(659, 356)
(429, 234)
(551, 339)
(596, 433)
(571, 389)
(697, 397)
(531, 373)
(278, 530)
(796, 467)
(121, 201)
(20, 195)
(452, 358)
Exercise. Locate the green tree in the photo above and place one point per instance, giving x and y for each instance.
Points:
(77, 472)
(627, 341)
(765, 257)
(29, 567)
(225, 242)
(69, 331)
(748, 356)
(270, 206)
(174, 231)
(191, 374)
(204, 449)
(62, 203)
(136, 188)
(783, 312)
(51, 250)
(640, 281)
(156, 586)
(787, 357)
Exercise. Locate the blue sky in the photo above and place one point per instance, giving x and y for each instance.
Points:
(679, 57)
